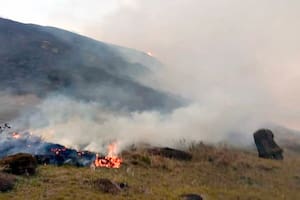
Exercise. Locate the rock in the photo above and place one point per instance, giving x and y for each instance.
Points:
(107, 186)
(7, 182)
(123, 186)
(266, 146)
(171, 153)
(191, 197)
(19, 164)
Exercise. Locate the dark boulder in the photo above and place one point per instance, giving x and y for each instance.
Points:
(266, 146)
(191, 197)
(19, 164)
(170, 153)
(7, 182)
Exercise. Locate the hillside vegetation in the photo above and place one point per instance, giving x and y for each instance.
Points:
(214, 173)
(39, 61)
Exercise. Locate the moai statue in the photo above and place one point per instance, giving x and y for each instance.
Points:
(266, 146)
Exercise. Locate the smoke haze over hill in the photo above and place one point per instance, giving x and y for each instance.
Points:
(236, 61)
(241, 53)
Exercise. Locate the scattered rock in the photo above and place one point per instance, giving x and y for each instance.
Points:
(266, 146)
(19, 164)
(7, 182)
(123, 185)
(107, 186)
(191, 197)
(171, 153)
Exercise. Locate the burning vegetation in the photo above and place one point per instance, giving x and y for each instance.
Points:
(207, 163)
(111, 160)
(57, 151)
(49, 153)
(16, 135)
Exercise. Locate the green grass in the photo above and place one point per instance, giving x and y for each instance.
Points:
(215, 173)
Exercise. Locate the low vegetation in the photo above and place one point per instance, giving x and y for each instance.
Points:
(213, 172)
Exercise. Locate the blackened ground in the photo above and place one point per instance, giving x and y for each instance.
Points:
(44, 152)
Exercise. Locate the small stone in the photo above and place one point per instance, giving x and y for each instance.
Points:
(191, 197)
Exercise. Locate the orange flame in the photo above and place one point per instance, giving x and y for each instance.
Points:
(111, 160)
(58, 150)
(80, 153)
(150, 53)
(16, 135)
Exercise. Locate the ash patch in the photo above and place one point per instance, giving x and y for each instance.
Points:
(45, 153)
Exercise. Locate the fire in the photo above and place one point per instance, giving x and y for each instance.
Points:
(58, 150)
(80, 153)
(111, 160)
(16, 135)
(150, 53)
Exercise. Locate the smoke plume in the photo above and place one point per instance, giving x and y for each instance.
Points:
(238, 53)
(89, 126)
(236, 61)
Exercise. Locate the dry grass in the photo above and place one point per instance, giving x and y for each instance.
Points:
(216, 173)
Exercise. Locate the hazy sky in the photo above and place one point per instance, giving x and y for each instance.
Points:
(239, 53)
(68, 14)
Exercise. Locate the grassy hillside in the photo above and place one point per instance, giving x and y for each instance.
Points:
(38, 60)
(215, 173)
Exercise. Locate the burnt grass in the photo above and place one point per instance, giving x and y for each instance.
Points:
(213, 172)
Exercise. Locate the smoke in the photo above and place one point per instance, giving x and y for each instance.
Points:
(89, 126)
(245, 53)
(12, 105)
(237, 61)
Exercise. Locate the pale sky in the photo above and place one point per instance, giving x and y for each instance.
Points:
(67, 14)
(246, 52)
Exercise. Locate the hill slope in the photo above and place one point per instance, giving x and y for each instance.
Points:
(39, 60)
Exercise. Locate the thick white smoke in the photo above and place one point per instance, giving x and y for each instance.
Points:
(86, 125)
